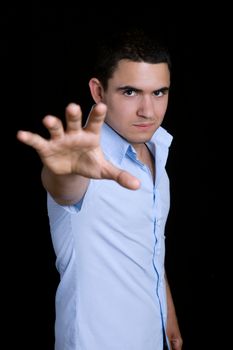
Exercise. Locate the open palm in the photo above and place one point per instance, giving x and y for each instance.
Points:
(76, 150)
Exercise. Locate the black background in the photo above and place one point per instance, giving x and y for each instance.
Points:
(46, 53)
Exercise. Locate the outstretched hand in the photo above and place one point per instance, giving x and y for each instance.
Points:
(76, 150)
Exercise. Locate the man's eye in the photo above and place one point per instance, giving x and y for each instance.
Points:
(161, 92)
(129, 92)
(158, 93)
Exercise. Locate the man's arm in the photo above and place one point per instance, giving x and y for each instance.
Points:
(173, 331)
(73, 155)
(65, 189)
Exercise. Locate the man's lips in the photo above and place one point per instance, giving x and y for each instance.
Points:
(143, 125)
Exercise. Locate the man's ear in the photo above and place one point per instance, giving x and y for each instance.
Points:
(96, 90)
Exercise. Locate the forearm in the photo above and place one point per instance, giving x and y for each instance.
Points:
(65, 189)
(170, 303)
(173, 331)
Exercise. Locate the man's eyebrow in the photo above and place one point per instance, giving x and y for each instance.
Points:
(128, 87)
(163, 89)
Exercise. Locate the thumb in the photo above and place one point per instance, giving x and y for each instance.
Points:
(124, 178)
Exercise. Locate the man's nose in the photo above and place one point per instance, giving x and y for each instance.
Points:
(145, 107)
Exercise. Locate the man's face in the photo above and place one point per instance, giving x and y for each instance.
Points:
(137, 97)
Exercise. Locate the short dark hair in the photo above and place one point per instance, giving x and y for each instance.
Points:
(135, 45)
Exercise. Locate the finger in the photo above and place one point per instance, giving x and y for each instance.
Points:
(96, 118)
(124, 178)
(73, 117)
(54, 126)
(31, 139)
(127, 180)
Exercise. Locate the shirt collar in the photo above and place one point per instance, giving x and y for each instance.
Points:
(161, 139)
(116, 146)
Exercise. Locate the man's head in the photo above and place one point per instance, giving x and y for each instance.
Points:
(132, 77)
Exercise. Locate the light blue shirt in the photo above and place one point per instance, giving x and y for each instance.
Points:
(110, 255)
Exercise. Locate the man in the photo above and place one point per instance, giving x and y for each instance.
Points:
(108, 201)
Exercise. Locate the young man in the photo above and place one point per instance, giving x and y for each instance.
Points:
(108, 201)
